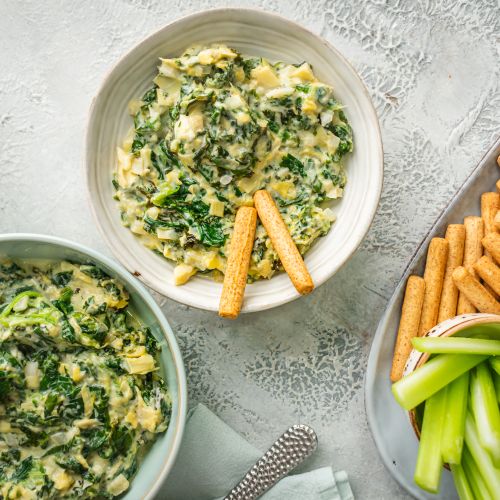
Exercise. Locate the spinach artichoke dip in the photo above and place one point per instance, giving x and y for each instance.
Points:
(80, 393)
(216, 127)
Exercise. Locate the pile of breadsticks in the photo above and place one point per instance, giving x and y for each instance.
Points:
(240, 251)
(456, 264)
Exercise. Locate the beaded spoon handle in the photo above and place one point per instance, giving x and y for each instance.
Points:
(289, 450)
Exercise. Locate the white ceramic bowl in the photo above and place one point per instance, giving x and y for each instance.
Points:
(159, 459)
(251, 32)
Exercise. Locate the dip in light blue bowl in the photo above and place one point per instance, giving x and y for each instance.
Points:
(159, 459)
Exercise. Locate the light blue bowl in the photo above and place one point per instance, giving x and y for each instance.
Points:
(160, 458)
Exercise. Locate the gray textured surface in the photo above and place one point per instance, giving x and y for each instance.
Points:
(432, 69)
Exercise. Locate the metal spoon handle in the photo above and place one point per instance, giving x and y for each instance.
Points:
(289, 450)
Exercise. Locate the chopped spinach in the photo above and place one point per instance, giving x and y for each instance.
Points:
(293, 164)
(62, 278)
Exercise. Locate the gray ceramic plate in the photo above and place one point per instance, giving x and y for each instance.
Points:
(389, 424)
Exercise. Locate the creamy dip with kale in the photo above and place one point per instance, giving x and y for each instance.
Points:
(80, 391)
(216, 127)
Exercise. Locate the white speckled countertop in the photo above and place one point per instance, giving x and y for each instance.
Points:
(432, 68)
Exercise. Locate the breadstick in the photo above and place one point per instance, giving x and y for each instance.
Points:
(496, 220)
(475, 292)
(240, 251)
(492, 244)
(473, 250)
(408, 325)
(490, 204)
(435, 266)
(498, 185)
(282, 242)
(489, 272)
(455, 236)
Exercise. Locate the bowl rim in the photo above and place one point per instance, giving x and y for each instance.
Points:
(377, 164)
(165, 328)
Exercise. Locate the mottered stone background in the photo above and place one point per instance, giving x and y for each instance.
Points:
(432, 69)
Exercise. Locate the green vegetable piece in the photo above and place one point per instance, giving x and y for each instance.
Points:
(482, 458)
(293, 164)
(51, 402)
(152, 346)
(165, 189)
(452, 438)
(429, 461)
(11, 373)
(95, 439)
(150, 96)
(462, 485)
(486, 412)
(211, 233)
(17, 299)
(138, 143)
(344, 133)
(67, 331)
(93, 271)
(438, 372)
(62, 279)
(15, 320)
(63, 303)
(456, 345)
(22, 472)
(303, 88)
(121, 441)
(495, 363)
(476, 482)
(496, 380)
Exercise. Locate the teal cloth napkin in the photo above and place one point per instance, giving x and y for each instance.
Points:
(213, 458)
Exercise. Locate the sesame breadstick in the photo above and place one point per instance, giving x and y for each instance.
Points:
(475, 292)
(455, 236)
(408, 325)
(238, 261)
(435, 266)
(492, 244)
(282, 242)
(473, 250)
(489, 272)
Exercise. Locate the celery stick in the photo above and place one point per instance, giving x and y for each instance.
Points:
(482, 458)
(463, 487)
(456, 345)
(425, 381)
(429, 462)
(496, 379)
(486, 412)
(452, 438)
(495, 363)
(476, 482)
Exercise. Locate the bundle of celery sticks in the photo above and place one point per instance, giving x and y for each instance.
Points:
(456, 396)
